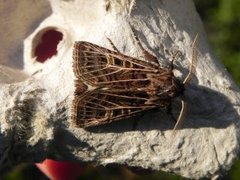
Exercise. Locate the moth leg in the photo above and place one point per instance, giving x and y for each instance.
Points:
(174, 58)
(147, 55)
(113, 46)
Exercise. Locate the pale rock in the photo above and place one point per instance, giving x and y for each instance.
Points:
(35, 98)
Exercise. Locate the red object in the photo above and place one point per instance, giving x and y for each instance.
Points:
(56, 170)
(47, 46)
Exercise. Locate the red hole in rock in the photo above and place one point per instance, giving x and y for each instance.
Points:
(47, 46)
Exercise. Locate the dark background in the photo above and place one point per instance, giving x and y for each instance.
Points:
(221, 19)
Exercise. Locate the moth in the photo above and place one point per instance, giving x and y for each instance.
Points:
(111, 86)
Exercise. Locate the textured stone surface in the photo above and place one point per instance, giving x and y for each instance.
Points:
(35, 112)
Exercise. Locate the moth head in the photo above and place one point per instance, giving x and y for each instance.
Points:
(172, 88)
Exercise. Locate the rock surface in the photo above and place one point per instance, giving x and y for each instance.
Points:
(36, 97)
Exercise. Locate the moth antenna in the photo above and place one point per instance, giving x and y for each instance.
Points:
(194, 61)
(186, 80)
(181, 115)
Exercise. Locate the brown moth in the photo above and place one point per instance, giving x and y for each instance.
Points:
(111, 86)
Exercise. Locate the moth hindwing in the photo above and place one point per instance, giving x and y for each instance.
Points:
(111, 86)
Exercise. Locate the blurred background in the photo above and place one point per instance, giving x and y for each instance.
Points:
(221, 19)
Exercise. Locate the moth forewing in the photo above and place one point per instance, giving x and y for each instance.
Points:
(122, 86)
